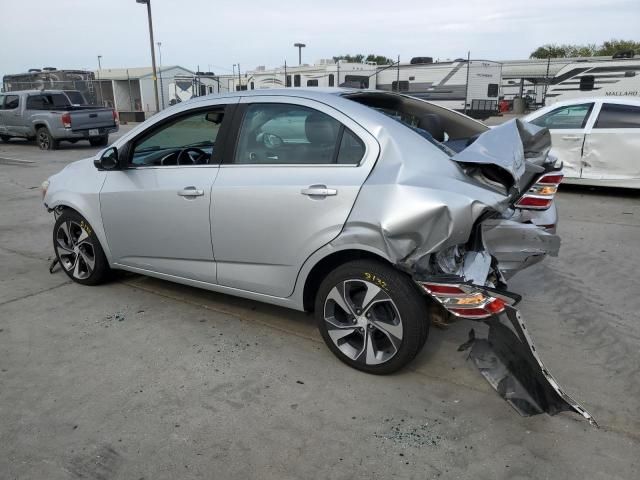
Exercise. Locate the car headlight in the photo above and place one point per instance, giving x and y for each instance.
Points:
(44, 187)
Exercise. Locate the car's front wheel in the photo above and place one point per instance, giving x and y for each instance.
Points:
(78, 249)
(371, 316)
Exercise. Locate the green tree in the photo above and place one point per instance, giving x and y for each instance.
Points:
(610, 47)
(359, 58)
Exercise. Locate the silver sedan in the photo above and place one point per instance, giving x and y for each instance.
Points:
(375, 210)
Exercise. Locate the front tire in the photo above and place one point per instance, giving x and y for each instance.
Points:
(45, 140)
(78, 249)
(371, 316)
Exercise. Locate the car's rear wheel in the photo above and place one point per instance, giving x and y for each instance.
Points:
(44, 139)
(5, 138)
(78, 249)
(371, 316)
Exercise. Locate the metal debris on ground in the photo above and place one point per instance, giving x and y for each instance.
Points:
(406, 435)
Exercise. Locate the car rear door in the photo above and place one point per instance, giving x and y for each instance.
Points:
(288, 189)
(567, 125)
(156, 212)
(612, 144)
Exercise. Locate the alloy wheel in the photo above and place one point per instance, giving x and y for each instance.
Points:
(75, 250)
(363, 322)
(43, 140)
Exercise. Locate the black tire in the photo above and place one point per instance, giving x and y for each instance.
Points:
(99, 141)
(75, 256)
(5, 138)
(398, 298)
(44, 139)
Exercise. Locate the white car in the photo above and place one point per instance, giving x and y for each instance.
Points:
(598, 139)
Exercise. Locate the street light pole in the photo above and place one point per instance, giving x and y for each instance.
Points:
(100, 81)
(299, 46)
(153, 52)
(233, 69)
(239, 78)
(160, 72)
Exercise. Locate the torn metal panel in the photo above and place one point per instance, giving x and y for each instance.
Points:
(516, 245)
(509, 361)
(508, 146)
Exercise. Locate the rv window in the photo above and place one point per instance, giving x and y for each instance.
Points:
(312, 83)
(569, 117)
(404, 86)
(252, 86)
(296, 80)
(331, 80)
(618, 116)
(492, 90)
(11, 102)
(288, 81)
(587, 82)
(356, 81)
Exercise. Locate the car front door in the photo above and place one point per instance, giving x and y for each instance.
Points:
(12, 120)
(287, 190)
(612, 144)
(156, 211)
(567, 126)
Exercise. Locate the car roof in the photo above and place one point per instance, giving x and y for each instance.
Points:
(612, 99)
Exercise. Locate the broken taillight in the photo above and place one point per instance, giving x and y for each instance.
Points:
(540, 195)
(464, 300)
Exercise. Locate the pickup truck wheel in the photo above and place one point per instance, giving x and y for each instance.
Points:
(99, 141)
(44, 139)
(78, 249)
(5, 138)
(371, 316)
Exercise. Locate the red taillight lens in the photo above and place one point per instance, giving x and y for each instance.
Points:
(551, 179)
(540, 195)
(66, 120)
(534, 202)
(465, 300)
(438, 289)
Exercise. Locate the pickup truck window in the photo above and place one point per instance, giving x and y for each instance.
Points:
(47, 101)
(11, 102)
(75, 97)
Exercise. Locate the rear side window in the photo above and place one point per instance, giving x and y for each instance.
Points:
(562, 118)
(75, 97)
(11, 102)
(47, 101)
(277, 134)
(35, 102)
(492, 90)
(618, 116)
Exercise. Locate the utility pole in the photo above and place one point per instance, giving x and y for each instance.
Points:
(338, 72)
(299, 46)
(239, 78)
(398, 75)
(285, 74)
(153, 52)
(466, 88)
(233, 69)
(160, 72)
(100, 81)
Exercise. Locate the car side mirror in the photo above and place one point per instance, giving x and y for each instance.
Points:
(108, 160)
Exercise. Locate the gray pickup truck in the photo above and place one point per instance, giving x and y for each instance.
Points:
(50, 116)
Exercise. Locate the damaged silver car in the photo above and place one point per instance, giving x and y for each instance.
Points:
(372, 209)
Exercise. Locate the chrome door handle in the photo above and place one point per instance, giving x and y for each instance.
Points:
(571, 137)
(191, 192)
(319, 191)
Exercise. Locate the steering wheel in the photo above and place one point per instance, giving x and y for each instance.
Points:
(185, 157)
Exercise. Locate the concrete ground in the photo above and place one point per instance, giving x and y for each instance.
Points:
(142, 378)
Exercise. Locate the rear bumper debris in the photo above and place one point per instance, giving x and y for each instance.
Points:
(508, 360)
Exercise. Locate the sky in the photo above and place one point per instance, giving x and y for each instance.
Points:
(216, 34)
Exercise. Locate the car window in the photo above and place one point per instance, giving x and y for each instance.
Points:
(189, 140)
(571, 116)
(11, 102)
(75, 97)
(278, 133)
(618, 116)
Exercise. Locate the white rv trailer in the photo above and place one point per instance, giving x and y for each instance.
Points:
(607, 78)
(445, 83)
(529, 78)
(185, 87)
(325, 73)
